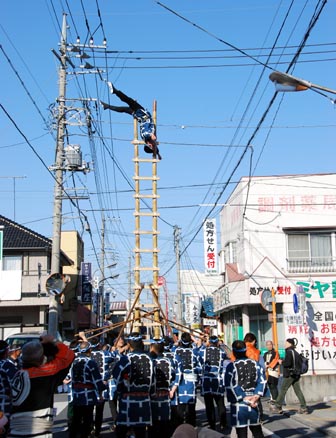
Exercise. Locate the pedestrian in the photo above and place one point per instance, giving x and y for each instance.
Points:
(191, 368)
(290, 378)
(135, 382)
(34, 386)
(272, 366)
(118, 349)
(167, 381)
(87, 388)
(177, 365)
(143, 116)
(7, 372)
(103, 359)
(252, 351)
(245, 384)
(212, 360)
(14, 354)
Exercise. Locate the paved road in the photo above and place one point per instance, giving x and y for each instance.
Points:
(275, 426)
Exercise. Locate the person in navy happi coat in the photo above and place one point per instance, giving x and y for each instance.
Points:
(245, 383)
(135, 381)
(87, 389)
(167, 378)
(213, 361)
(104, 360)
(7, 372)
(191, 373)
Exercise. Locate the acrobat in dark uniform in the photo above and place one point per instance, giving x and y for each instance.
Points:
(143, 116)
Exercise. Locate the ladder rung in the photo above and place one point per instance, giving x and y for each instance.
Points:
(146, 232)
(145, 286)
(146, 160)
(151, 305)
(139, 196)
(150, 324)
(146, 178)
(138, 213)
(146, 269)
(154, 250)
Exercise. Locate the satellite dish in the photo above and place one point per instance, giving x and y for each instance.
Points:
(56, 283)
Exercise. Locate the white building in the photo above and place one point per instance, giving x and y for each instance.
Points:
(280, 232)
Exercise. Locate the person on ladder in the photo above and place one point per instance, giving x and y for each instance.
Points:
(143, 116)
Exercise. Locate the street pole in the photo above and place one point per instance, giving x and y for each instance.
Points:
(58, 188)
(274, 320)
(178, 272)
(102, 269)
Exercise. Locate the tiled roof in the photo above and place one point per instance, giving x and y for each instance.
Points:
(118, 305)
(19, 237)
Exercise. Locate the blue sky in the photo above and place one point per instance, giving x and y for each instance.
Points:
(203, 89)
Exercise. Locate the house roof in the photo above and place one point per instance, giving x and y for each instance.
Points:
(19, 237)
(118, 305)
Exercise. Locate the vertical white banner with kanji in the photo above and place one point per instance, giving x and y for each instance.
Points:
(192, 309)
(210, 246)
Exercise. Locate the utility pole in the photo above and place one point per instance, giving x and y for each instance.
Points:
(177, 231)
(102, 270)
(58, 188)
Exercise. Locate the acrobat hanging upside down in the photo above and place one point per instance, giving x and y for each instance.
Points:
(143, 116)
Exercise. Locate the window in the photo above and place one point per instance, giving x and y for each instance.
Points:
(230, 252)
(310, 251)
(12, 263)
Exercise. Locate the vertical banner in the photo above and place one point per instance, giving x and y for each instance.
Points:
(210, 246)
(86, 277)
(192, 310)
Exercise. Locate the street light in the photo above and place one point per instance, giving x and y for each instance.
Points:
(286, 83)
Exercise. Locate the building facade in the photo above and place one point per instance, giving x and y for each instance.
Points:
(280, 233)
(25, 265)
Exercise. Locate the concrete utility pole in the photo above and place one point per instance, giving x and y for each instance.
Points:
(177, 231)
(59, 169)
(102, 269)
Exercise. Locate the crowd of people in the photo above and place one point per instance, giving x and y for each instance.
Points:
(151, 390)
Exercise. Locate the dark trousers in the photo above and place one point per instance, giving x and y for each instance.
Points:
(175, 417)
(98, 419)
(81, 421)
(273, 386)
(256, 431)
(133, 105)
(161, 429)
(287, 382)
(209, 401)
(113, 409)
(140, 432)
(186, 413)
